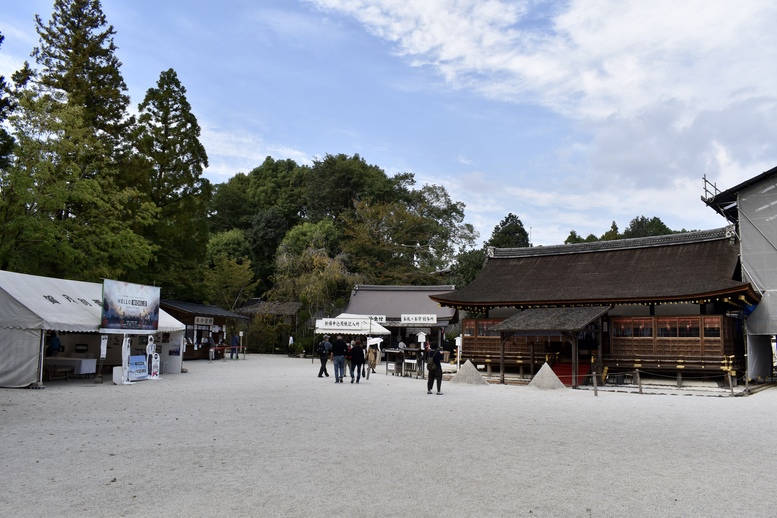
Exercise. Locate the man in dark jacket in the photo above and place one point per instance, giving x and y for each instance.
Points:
(357, 360)
(339, 348)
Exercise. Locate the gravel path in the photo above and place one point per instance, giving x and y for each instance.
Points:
(266, 437)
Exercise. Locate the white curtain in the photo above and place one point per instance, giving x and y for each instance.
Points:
(19, 359)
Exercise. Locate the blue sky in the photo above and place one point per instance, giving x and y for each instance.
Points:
(570, 115)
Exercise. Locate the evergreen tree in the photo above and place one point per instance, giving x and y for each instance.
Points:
(77, 56)
(6, 140)
(611, 234)
(509, 233)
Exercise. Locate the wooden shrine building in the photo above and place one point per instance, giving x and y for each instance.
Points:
(664, 304)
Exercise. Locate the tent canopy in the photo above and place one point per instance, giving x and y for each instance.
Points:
(33, 302)
(350, 324)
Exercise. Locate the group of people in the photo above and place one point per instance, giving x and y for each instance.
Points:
(362, 360)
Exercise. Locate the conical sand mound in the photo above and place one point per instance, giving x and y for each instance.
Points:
(546, 379)
(469, 374)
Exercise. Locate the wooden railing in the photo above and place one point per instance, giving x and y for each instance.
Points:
(658, 362)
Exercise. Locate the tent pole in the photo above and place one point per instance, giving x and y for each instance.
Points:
(41, 352)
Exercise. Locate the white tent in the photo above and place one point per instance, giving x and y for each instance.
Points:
(349, 324)
(31, 305)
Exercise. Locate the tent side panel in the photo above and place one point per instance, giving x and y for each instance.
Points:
(19, 351)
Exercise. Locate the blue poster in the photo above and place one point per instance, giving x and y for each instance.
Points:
(138, 370)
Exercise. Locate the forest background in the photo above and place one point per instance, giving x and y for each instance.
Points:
(89, 191)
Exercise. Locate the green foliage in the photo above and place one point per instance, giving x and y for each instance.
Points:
(318, 281)
(389, 244)
(229, 283)
(644, 227)
(322, 235)
(231, 205)
(231, 244)
(61, 215)
(575, 238)
(334, 184)
(280, 185)
(6, 106)
(268, 334)
(638, 227)
(467, 266)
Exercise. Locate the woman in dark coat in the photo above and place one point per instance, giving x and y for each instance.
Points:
(357, 360)
(435, 373)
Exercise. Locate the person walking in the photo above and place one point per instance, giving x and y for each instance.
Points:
(324, 348)
(373, 357)
(348, 357)
(434, 364)
(235, 344)
(339, 348)
(357, 360)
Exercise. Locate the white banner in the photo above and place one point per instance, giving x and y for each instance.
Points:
(419, 319)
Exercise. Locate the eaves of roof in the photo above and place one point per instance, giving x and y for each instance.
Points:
(699, 267)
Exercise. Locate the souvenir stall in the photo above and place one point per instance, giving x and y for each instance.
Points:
(34, 310)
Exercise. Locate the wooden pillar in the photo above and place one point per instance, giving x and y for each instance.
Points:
(599, 338)
(502, 360)
(531, 367)
(575, 361)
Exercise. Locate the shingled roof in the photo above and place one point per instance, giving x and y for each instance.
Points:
(543, 321)
(688, 267)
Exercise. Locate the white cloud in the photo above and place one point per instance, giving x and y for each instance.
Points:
(232, 152)
(663, 92)
(602, 57)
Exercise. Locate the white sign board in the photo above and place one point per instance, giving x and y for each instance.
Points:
(419, 319)
(343, 324)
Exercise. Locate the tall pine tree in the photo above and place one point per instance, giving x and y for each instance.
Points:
(167, 139)
(77, 55)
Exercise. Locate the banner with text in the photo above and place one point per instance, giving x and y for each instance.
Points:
(419, 319)
(128, 306)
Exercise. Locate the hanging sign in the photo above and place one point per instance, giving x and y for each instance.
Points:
(419, 319)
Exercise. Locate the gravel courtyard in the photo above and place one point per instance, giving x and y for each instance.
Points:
(266, 437)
